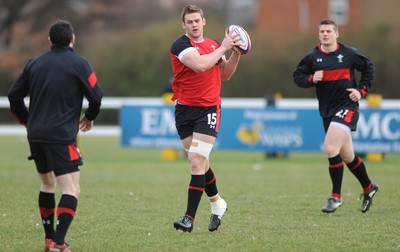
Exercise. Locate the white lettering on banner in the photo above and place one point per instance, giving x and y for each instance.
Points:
(155, 142)
(378, 126)
(386, 120)
(282, 137)
(371, 126)
(374, 147)
(157, 121)
(270, 115)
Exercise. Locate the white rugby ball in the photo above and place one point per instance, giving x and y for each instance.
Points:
(245, 42)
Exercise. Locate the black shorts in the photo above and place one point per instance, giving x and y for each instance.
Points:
(204, 120)
(60, 158)
(348, 117)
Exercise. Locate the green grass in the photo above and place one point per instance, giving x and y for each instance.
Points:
(130, 198)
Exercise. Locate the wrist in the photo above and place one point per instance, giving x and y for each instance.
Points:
(235, 51)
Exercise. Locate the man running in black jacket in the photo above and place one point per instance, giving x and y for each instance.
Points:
(56, 82)
(330, 69)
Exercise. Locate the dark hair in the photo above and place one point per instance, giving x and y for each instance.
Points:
(61, 33)
(329, 22)
(191, 9)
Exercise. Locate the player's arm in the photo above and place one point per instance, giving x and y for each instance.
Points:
(303, 75)
(228, 67)
(200, 63)
(367, 70)
(18, 91)
(92, 90)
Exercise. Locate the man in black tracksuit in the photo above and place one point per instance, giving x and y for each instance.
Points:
(56, 82)
(329, 68)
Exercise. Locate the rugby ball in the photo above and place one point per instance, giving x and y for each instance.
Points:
(245, 42)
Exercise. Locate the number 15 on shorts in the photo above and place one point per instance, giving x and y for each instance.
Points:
(212, 120)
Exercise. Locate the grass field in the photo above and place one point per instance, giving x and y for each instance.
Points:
(130, 198)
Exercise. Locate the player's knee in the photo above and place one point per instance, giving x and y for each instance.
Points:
(200, 147)
(330, 149)
(49, 187)
(197, 163)
(48, 183)
(75, 191)
(199, 152)
(347, 157)
(77, 194)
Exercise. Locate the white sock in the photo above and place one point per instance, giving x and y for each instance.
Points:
(218, 207)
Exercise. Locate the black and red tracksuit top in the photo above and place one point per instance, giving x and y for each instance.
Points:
(56, 82)
(339, 74)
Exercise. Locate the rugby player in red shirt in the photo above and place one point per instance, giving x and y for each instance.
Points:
(199, 65)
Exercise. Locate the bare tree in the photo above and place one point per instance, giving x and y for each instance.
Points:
(35, 13)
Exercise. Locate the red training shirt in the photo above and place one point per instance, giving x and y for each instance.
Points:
(191, 88)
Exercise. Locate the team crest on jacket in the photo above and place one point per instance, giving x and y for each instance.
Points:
(340, 57)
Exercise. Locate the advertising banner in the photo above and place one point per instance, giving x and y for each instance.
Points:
(261, 129)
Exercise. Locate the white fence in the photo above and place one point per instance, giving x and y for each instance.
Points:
(117, 102)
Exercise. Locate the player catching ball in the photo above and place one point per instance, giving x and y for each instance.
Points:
(199, 65)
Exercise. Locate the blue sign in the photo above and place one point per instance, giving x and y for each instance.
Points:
(378, 131)
(149, 127)
(269, 129)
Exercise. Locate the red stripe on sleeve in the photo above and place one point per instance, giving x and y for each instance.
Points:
(92, 79)
(310, 78)
(337, 74)
(364, 91)
(73, 152)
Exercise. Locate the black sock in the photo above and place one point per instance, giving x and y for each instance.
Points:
(47, 205)
(336, 173)
(211, 183)
(195, 191)
(65, 213)
(357, 167)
